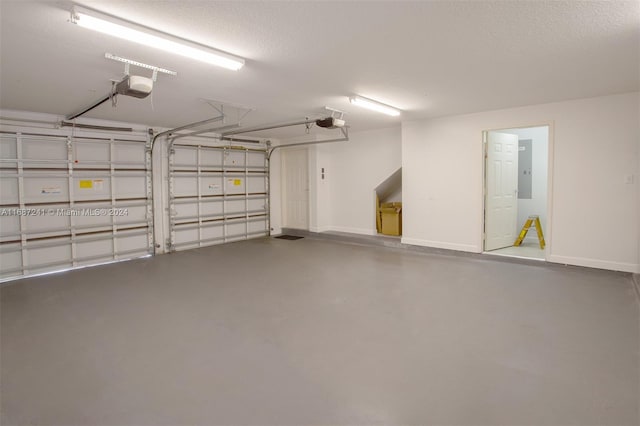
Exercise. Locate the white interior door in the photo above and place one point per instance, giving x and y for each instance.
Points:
(501, 204)
(295, 185)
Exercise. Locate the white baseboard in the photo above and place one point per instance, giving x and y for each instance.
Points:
(320, 228)
(361, 231)
(440, 245)
(595, 263)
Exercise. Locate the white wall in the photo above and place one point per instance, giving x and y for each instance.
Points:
(594, 146)
(537, 204)
(345, 199)
(390, 190)
(319, 189)
(394, 197)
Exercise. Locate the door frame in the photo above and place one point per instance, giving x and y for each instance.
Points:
(283, 188)
(548, 236)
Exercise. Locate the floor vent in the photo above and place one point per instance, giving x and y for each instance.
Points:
(289, 237)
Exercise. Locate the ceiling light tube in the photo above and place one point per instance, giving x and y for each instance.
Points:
(374, 106)
(125, 30)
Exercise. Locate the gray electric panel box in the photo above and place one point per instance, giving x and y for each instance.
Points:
(524, 168)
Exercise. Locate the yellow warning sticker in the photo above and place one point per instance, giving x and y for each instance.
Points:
(87, 184)
(237, 182)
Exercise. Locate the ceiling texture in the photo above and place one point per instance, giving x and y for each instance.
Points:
(429, 59)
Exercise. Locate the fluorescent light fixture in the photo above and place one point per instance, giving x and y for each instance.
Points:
(117, 28)
(374, 106)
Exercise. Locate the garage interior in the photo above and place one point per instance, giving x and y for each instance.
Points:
(234, 213)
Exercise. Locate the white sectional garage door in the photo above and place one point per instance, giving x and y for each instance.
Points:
(72, 201)
(217, 195)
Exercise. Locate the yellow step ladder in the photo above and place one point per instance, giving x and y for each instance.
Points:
(532, 220)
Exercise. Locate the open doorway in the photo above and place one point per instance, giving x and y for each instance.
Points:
(388, 205)
(516, 185)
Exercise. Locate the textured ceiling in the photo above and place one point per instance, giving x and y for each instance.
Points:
(427, 58)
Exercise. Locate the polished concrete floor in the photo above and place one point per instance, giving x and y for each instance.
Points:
(320, 332)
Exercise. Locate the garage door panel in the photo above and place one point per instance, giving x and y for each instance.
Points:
(207, 210)
(256, 185)
(10, 260)
(131, 186)
(185, 235)
(124, 214)
(258, 226)
(211, 185)
(92, 250)
(45, 152)
(9, 228)
(213, 230)
(92, 218)
(8, 147)
(40, 225)
(9, 188)
(185, 156)
(185, 210)
(211, 158)
(212, 207)
(46, 187)
(54, 252)
(255, 160)
(219, 180)
(91, 186)
(130, 241)
(8, 151)
(235, 207)
(257, 204)
(185, 186)
(88, 207)
(236, 228)
(234, 159)
(235, 184)
(85, 152)
(130, 153)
